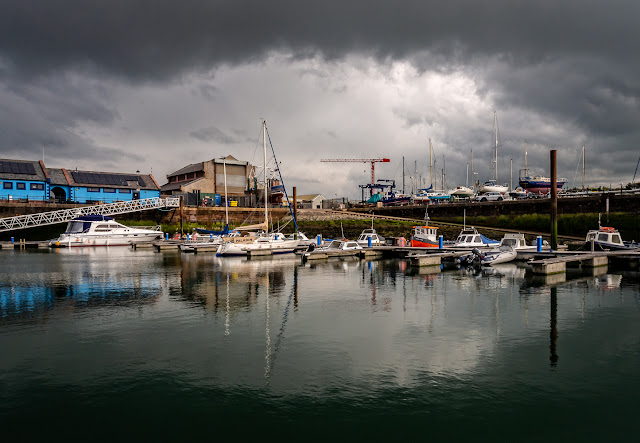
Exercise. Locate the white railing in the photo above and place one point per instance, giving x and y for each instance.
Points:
(65, 215)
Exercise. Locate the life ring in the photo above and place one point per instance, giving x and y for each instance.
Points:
(607, 229)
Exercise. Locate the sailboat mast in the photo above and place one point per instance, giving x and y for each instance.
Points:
(526, 171)
(430, 165)
(264, 147)
(226, 203)
(495, 152)
(473, 183)
(583, 167)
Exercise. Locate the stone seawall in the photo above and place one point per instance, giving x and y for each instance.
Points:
(210, 215)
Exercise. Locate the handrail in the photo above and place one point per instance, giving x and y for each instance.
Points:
(65, 215)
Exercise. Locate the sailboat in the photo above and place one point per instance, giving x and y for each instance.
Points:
(538, 184)
(210, 238)
(492, 184)
(429, 195)
(462, 191)
(275, 242)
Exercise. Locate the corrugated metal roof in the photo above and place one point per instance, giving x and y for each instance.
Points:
(194, 167)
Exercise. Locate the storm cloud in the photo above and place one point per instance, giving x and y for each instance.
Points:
(107, 84)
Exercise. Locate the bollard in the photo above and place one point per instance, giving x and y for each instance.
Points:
(539, 243)
(210, 236)
(12, 241)
(593, 245)
(440, 242)
(166, 236)
(188, 237)
(369, 241)
(319, 239)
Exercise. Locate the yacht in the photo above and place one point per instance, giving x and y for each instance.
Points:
(101, 230)
(276, 242)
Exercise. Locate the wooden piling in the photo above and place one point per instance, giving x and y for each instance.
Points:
(554, 201)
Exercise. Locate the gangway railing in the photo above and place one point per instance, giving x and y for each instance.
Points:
(65, 215)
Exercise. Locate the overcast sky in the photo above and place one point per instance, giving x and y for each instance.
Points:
(125, 85)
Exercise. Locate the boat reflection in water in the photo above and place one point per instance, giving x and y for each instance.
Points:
(375, 343)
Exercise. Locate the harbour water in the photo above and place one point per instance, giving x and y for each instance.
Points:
(120, 343)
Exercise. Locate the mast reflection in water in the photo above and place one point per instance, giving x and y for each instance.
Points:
(168, 345)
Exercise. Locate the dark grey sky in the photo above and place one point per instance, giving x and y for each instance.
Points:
(155, 85)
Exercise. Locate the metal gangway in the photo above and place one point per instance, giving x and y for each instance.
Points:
(65, 215)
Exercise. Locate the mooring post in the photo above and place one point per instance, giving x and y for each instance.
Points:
(554, 201)
(539, 243)
(295, 204)
(440, 242)
(182, 217)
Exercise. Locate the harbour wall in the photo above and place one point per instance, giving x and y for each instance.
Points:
(620, 203)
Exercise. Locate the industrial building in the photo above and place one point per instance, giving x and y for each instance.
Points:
(207, 180)
(24, 180)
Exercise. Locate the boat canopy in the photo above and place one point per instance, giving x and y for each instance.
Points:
(225, 231)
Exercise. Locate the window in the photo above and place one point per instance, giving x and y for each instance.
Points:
(21, 185)
(93, 189)
(124, 191)
(37, 186)
(108, 190)
(7, 185)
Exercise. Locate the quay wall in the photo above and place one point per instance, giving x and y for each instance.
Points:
(622, 203)
(625, 203)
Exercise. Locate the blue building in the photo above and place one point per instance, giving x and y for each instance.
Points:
(22, 180)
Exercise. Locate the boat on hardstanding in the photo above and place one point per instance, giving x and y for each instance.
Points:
(101, 230)
(492, 185)
(539, 184)
(461, 192)
(424, 237)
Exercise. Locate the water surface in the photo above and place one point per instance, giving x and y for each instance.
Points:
(117, 342)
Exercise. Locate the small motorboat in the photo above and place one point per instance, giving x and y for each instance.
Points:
(370, 235)
(470, 238)
(606, 238)
(489, 257)
(424, 237)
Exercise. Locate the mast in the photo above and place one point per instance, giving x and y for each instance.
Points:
(467, 183)
(495, 150)
(526, 171)
(511, 166)
(472, 176)
(430, 164)
(226, 203)
(264, 148)
(583, 167)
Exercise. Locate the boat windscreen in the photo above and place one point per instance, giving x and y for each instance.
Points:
(75, 227)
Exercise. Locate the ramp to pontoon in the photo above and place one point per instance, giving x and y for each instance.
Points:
(65, 215)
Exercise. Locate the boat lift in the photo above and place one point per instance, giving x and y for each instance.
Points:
(66, 215)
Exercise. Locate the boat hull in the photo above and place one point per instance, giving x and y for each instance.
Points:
(79, 241)
(539, 186)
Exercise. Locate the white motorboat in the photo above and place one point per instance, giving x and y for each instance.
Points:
(518, 193)
(488, 257)
(370, 235)
(517, 242)
(343, 245)
(101, 230)
(470, 238)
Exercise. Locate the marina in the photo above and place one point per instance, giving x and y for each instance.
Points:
(135, 332)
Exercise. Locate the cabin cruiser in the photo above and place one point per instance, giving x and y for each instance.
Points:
(606, 238)
(518, 243)
(276, 242)
(470, 238)
(370, 235)
(101, 230)
(425, 237)
(343, 245)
